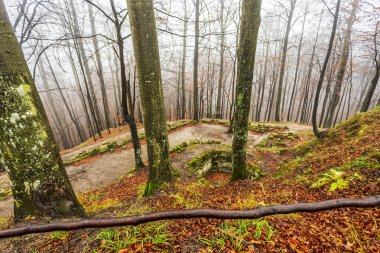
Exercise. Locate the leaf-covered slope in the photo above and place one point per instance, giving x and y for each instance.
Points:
(349, 154)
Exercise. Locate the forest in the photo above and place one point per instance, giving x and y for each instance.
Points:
(189, 126)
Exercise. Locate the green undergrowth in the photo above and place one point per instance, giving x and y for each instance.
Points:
(341, 177)
(347, 154)
(95, 202)
(153, 236)
(238, 234)
(189, 196)
(184, 145)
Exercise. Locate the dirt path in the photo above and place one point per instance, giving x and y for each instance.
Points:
(112, 166)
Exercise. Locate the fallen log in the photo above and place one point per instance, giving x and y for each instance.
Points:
(259, 212)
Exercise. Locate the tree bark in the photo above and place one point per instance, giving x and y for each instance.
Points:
(336, 95)
(40, 184)
(184, 51)
(283, 60)
(295, 83)
(100, 69)
(145, 45)
(323, 71)
(250, 24)
(375, 79)
(196, 59)
(369, 202)
(126, 103)
(221, 61)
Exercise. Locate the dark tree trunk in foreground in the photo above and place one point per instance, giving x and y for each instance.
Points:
(40, 184)
(323, 71)
(145, 45)
(246, 59)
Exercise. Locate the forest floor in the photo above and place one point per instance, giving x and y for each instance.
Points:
(297, 167)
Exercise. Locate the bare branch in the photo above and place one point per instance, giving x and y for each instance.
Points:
(259, 212)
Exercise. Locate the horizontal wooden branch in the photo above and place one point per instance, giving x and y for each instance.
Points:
(259, 212)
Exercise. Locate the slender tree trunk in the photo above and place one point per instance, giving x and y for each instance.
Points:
(126, 103)
(86, 68)
(72, 118)
(40, 184)
(283, 60)
(145, 44)
(221, 61)
(100, 69)
(50, 100)
(336, 95)
(196, 58)
(303, 105)
(323, 71)
(81, 94)
(328, 89)
(375, 79)
(184, 51)
(246, 59)
(295, 84)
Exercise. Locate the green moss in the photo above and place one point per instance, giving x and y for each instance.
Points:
(254, 171)
(216, 159)
(150, 188)
(261, 128)
(303, 149)
(182, 147)
(176, 125)
(216, 121)
(5, 193)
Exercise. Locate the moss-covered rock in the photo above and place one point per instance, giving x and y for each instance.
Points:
(219, 160)
(182, 147)
(261, 128)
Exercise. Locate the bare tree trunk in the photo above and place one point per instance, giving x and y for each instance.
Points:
(50, 100)
(145, 44)
(323, 71)
(86, 68)
(72, 118)
(81, 94)
(283, 60)
(336, 95)
(303, 105)
(126, 103)
(221, 62)
(295, 83)
(100, 69)
(184, 50)
(246, 59)
(40, 184)
(196, 58)
(375, 79)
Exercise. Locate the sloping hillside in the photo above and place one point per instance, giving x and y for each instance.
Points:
(298, 167)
